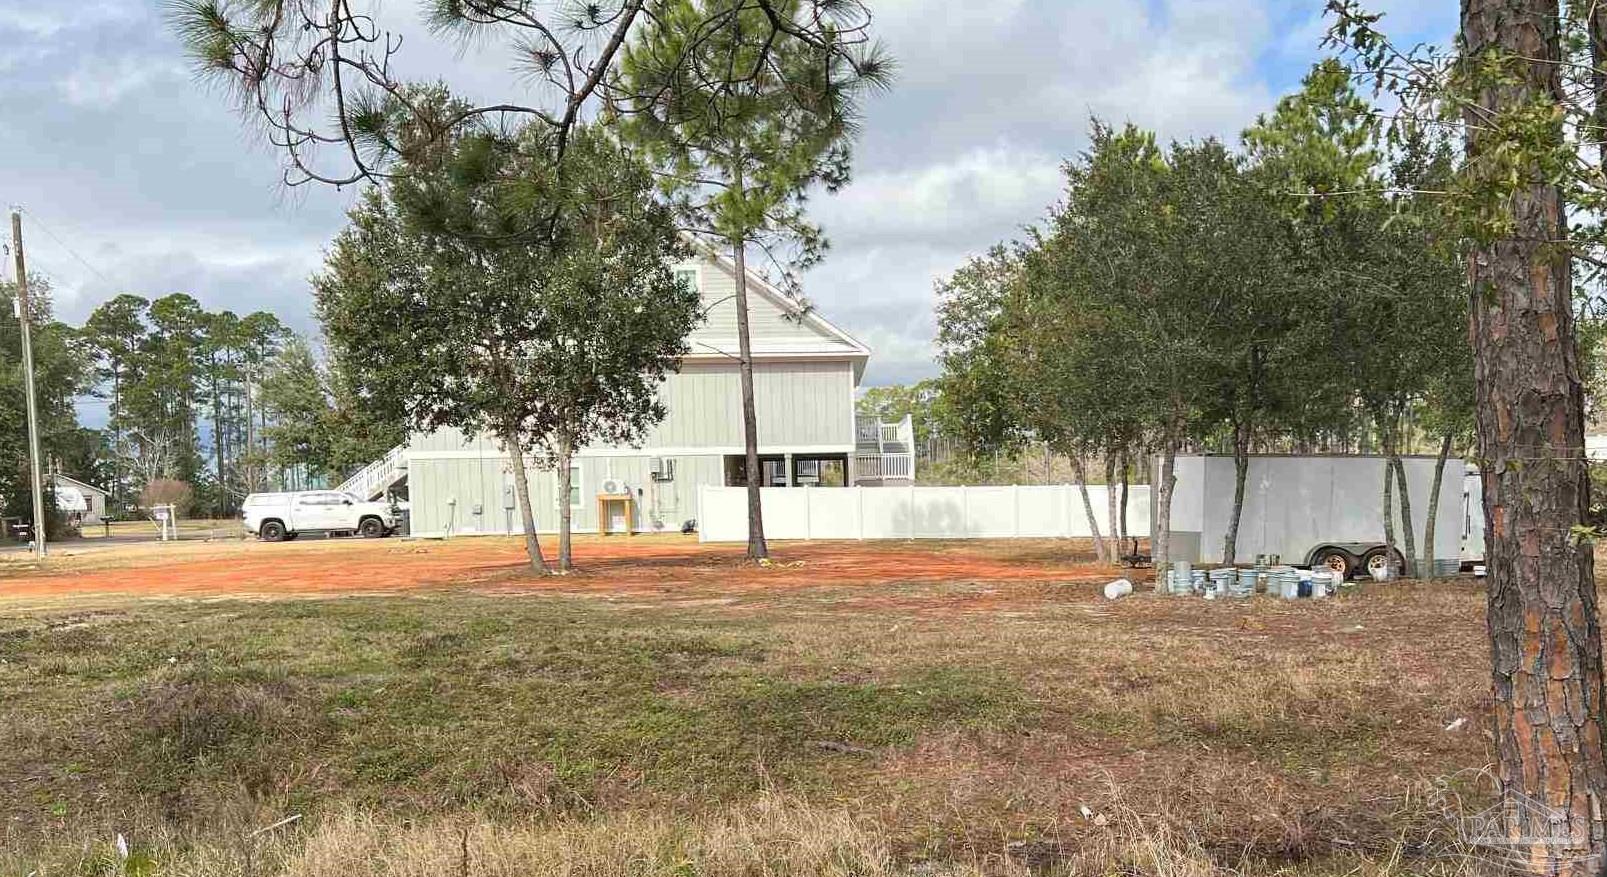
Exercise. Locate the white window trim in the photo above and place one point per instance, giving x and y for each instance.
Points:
(576, 486)
(696, 270)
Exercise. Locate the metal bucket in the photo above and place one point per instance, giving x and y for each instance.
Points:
(1321, 581)
(1180, 580)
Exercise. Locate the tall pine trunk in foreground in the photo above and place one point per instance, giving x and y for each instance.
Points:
(1545, 637)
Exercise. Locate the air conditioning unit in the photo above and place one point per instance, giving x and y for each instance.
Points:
(614, 487)
(661, 468)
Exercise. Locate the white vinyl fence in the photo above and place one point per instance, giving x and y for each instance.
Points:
(914, 512)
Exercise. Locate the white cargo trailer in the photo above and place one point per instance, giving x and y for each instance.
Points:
(1312, 510)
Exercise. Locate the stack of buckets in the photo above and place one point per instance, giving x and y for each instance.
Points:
(1278, 581)
(1180, 578)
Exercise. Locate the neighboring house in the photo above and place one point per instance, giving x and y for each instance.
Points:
(806, 372)
(86, 502)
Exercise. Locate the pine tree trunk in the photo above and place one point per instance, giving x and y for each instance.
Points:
(757, 549)
(1241, 473)
(521, 486)
(1431, 520)
(1080, 470)
(566, 513)
(1163, 512)
(1112, 509)
(1408, 524)
(1545, 635)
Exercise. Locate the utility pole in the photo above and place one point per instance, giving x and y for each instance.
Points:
(24, 317)
(253, 467)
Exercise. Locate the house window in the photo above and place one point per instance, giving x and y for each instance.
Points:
(688, 276)
(574, 486)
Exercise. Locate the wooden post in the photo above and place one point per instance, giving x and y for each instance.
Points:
(25, 318)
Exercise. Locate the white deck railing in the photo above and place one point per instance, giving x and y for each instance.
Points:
(882, 463)
(378, 475)
(880, 467)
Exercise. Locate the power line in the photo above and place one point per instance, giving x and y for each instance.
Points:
(45, 227)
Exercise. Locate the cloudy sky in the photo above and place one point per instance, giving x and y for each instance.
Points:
(136, 178)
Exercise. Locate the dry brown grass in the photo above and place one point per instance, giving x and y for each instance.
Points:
(772, 835)
(920, 728)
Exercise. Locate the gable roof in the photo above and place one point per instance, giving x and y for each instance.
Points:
(60, 477)
(820, 336)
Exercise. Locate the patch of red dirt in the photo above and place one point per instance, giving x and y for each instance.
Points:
(614, 565)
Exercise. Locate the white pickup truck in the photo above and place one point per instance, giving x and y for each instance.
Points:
(275, 517)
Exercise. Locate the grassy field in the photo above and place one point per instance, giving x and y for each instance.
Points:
(951, 727)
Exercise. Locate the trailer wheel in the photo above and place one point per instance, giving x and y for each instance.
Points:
(1336, 561)
(1375, 558)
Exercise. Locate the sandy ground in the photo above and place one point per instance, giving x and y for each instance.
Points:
(613, 564)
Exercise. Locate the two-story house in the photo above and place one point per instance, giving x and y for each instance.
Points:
(806, 372)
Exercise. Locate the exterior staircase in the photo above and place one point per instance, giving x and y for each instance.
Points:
(373, 480)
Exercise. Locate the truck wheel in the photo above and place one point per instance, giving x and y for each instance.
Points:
(371, 528)
(1336, 561)
(1375, 558)
(272, 531)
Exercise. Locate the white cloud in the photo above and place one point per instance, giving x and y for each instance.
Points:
(991, 98)
(99, 81)
(948, 201)
(45, 20)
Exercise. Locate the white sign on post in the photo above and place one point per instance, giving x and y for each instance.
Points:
(166, 523)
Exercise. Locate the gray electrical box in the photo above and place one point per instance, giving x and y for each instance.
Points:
(661, 468)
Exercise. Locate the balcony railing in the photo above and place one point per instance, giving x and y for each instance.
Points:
(881, 467)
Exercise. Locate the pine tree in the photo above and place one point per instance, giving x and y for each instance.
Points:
(740, 150)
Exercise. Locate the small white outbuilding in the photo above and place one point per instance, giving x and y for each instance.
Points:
(77, 499)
